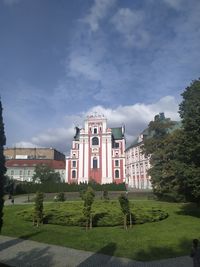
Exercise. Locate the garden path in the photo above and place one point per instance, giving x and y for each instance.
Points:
(26, 253)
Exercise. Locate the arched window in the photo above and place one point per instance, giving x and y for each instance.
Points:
(95, 141)
(73, 174)
(95, 163)
(116, 173)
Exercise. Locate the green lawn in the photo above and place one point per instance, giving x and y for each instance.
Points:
(167, 238)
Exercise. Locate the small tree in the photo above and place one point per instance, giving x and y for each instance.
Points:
(60, 197)
(2, 165)
(88, 198)
(105, 195)
(124, 203)
(38, 212)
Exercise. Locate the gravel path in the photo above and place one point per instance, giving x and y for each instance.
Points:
(26, 253)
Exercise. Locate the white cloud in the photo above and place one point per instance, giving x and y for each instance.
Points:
(11, 2)
(176, 4)
(81, 65)
(130, 24)
(97, 12)
(25, 144)
(135, 118)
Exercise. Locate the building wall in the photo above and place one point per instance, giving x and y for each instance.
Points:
(23, 169)
(33, 153)
(92, 155)
(137, 166)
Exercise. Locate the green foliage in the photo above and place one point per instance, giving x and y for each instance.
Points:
(8, 185)
(51, 187)
(175, 156)
(160, 146)
(104, 214)
(88, 198)
(60, 197)
(43, 174)
(149, 241)
(38, 209)
(189, 154)
(124, 203)
(105, 195)
(2, 165)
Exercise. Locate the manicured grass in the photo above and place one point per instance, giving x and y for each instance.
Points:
(167, 238)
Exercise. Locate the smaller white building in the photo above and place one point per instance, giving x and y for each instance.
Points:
(137, 166)
(23, 170)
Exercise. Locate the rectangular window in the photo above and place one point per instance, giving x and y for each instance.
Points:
(95, 163)
(116, 163)
(74, 164)
(116, 174)
(116, 145)
(73, 174)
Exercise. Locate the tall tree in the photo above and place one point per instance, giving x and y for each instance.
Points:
(155, 140)
(190, 154)
(2, 164)
(43, 174)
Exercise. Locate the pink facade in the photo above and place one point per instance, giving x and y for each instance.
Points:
(98, 153)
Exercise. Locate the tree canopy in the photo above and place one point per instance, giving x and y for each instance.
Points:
(2, 164)
(43, 174)
(175, 155)
(190, 153)
(158, 134)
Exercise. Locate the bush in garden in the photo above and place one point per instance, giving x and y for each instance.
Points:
(104, 214)
(60, 197)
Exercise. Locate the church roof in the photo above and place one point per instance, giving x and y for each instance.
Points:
(117, 133)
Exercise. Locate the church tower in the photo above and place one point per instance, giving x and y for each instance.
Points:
(98, 153)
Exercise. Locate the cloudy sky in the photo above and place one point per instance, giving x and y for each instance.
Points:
(62, 60)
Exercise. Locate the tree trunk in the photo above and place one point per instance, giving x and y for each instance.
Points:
(91, 221)
(131, 223)
(86, 225)
(125, 222)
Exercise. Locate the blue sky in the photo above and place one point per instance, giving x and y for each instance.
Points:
(62, 60)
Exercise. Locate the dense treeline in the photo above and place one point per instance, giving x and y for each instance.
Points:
(28, 187)
(175, 155)
(2, 165)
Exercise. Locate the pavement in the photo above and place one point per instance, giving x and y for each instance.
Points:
(26, 253)
(23, 199)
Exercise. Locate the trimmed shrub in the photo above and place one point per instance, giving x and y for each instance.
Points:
(103, 214)
(60, 197)
(29, 187)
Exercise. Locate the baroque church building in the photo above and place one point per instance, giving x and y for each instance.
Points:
(97, 153)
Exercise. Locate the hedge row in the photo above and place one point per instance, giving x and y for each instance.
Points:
(26, 188)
